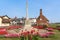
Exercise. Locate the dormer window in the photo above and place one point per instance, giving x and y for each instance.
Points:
(40, 18)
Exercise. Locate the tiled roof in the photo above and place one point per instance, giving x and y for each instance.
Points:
(43, 17)
(4, 16)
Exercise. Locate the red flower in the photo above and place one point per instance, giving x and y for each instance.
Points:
(40, 27)
(32, 31)
(3, 31)
(14, 27)
(25, 33)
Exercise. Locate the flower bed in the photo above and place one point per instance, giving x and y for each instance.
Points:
(49, 29)
(30, 35)
(12, 35)
(14, 27)
(3, 31)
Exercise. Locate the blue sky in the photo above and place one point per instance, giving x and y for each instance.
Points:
(12, 8)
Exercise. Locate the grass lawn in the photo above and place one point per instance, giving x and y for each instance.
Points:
(55, 37)
(9, 39)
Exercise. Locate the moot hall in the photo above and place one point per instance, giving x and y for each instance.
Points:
(42, 20)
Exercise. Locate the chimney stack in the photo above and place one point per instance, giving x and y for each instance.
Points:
(40, 12)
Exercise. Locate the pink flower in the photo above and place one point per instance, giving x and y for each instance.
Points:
(50, 29)
(50, 33)
(35, 33)
(11, 35)
(43, 34)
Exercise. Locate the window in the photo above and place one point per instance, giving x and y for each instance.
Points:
(40, 18)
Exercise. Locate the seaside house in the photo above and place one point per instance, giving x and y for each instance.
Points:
(4, 21)
(17, 21)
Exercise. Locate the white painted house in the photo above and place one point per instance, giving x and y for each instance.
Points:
(4, 21)
(33, 21)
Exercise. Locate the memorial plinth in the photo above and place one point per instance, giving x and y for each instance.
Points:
(27, 25)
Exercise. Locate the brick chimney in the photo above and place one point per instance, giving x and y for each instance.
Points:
(40, 12)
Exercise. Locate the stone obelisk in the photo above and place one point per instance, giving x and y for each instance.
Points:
(26, 9)
(27, 21)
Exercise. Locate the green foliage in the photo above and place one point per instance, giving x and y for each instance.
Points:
(1, 36)
(35, 37)
(22, 38)
(53, 25)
